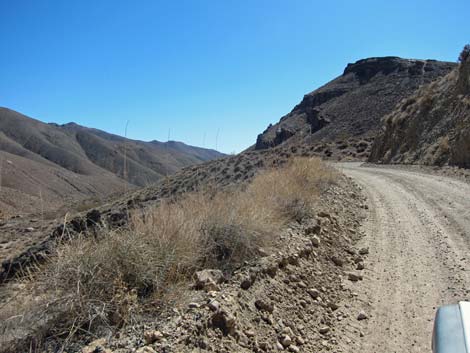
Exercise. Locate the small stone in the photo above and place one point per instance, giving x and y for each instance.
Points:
(294, 259)
(194, 305)
(294, 349)
(362, 315)
(250, 333)
(360, 266)
(279, 346)
(337, 261)
(29, 229)
(214, 305)
(246, 283)
(358, 259)
(324, 214)
(152, 336)
(287, 331)
(314, 293)
(324, 330)
(333, 306)
(264, 305)
(202, 343)
(353, 277)
(286, 341)
(313, 229)
(364, 251)
(225, 321)
(315, 241)
(264, 346)
(208, 280)
(271, 269)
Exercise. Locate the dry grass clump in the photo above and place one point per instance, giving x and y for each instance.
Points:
(293, 189)
(92, 282)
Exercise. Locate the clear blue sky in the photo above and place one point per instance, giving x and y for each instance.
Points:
(203, 65)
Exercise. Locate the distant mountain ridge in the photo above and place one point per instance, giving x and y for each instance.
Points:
(60, 163)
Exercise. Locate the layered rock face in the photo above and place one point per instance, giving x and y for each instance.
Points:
(430, 127)
(353, 104)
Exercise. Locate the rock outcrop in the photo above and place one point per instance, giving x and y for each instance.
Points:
(349, 108)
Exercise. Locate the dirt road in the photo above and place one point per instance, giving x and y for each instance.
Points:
(418, 232)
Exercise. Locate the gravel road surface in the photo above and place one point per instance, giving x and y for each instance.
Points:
(418, 232)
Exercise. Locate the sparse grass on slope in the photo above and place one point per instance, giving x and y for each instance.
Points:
(91, 282)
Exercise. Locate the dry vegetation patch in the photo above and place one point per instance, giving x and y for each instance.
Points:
(107, 280)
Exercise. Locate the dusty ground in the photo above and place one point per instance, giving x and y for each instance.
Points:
(418, 232)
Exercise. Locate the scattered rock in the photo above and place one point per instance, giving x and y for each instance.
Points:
(313, 229)
(364, 251)
(362, 315)
(315, 241)
(294, 259)
(214, 305)
(353, 277)
(279, 346)
(314, 293)
(250, 333)
(324, 214)
(333, 306)
(337, 261)
(225, 321)
(246, 283)
(208, 280)
(324, 330)
(264, 305)
(294, 349)
(286, 341)
(270, 268)
(152, 336)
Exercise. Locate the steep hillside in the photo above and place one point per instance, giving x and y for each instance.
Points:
(347, 110)
(431, 127)
(46, 165)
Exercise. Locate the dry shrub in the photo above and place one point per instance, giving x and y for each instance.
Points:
(92, 282)
(293, 189)
(464, 54)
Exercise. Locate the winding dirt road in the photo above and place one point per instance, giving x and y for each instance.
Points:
(418, 232)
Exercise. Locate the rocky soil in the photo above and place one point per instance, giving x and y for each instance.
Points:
(292, 300)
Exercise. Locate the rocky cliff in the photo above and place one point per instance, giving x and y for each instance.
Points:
(349, 108)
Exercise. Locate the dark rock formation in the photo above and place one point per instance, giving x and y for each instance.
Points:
(352, 104)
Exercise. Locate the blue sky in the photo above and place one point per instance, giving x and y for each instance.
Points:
(202, 66)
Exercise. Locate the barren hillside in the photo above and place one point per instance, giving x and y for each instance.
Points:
(343, 116)
(44, 166)
(432, 126)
